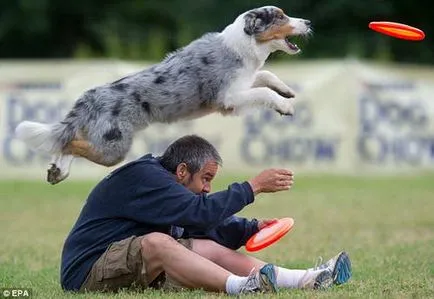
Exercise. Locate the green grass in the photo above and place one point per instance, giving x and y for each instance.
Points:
(386, 225)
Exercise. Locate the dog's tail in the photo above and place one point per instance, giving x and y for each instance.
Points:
(48, 138)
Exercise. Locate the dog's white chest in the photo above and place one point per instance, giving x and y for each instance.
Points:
(243, 81)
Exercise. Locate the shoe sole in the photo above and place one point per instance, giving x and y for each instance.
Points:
(342, 270)
(268, 277)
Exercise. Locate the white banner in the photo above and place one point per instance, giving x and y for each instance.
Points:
(351, 118)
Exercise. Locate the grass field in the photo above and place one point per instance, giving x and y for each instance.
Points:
(386, 225)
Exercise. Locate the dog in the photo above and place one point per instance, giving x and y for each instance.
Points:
(218, 72)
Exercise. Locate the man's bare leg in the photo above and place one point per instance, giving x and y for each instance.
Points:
(231, 260)
(163, 253)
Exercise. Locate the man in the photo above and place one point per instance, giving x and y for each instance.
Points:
(150, 223)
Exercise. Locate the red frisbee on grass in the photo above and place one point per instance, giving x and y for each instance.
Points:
(398, 30)
(269, 234)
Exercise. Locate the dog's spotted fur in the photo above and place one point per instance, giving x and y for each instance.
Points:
(219, 72)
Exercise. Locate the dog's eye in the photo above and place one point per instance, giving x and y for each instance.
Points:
(281, 17)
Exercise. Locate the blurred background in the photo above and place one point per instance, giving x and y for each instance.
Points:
(364, 100)
(147, 30)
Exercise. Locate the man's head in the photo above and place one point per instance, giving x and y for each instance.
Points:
(194, 161)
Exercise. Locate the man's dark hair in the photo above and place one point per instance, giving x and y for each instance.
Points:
(192, 150)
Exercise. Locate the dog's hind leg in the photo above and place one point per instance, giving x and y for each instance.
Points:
(270, 80)
(259, 97)
(107, 149)
(61, 163)
(59, 169)
(82, 148)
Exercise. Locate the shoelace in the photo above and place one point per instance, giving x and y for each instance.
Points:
(318, 263)
(251, 284)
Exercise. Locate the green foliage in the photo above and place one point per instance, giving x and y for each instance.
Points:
(148, 29)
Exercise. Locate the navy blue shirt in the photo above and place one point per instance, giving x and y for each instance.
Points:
(142, 197)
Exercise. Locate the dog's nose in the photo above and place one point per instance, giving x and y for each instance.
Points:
(307, 22)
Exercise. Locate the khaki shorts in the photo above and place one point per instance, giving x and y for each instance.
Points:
(122, 266)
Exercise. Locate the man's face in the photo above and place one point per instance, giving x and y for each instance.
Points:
(201, 180)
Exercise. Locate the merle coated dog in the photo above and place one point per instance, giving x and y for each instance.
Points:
(219, 72)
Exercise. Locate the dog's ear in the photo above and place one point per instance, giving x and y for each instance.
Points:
(252, 24)
(257, 21)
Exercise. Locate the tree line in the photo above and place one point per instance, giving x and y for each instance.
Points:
(148, 30)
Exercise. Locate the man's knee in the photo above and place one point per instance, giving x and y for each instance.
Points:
(153, 243)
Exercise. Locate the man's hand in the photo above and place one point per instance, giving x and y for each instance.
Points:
(265, 222)
(272, 180)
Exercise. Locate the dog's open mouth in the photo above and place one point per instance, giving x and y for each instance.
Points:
(291, 45)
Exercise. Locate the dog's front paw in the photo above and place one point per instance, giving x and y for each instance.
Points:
(285, 108)
(286, 93)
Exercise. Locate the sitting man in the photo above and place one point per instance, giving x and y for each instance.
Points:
(150, 223)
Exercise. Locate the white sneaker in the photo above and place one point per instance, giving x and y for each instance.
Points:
(314, 279)
(262, 281)
(339, 266)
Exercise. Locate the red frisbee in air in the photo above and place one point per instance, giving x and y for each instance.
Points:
(398, 30)
(269, 234)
